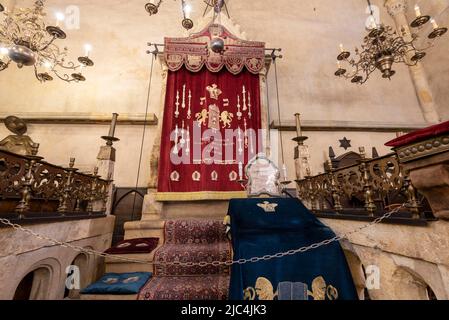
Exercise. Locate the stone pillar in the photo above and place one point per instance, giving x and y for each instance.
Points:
(105, 165)
(302, 165)
(152, 209)
(397, 9)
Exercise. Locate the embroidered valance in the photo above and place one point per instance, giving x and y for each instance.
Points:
(194, 52)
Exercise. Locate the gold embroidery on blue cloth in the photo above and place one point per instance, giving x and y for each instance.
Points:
(268, 207)
(110, 280)
(320, 290)
(131, 280)
(263, 290)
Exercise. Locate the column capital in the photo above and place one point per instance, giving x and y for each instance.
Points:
(395, 7)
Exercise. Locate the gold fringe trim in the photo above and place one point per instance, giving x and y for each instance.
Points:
(198, 196)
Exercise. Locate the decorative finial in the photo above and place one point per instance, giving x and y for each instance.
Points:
(329, 164)
(34, 149)
(362, 152)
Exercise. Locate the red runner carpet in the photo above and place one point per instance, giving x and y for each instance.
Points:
(190, 241)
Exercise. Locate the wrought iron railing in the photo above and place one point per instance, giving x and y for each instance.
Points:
(368, 188)
(31, 188)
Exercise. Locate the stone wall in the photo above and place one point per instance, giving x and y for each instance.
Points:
(21, 254)
(409, 258)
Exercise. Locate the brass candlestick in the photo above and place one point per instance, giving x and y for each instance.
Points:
(299, 137)
(370, 206)
(335, 190)
(93, 191)
(68, 188)
(110, 138)
(28, 181)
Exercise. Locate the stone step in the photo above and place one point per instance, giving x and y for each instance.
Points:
(193, 210)
(145, 229)
(120, 266)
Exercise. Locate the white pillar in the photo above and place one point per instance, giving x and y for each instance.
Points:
(105, 165)
(397, 9)
(302, 163)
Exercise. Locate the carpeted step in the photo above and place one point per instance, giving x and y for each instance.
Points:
(217, 251)
(190, 241)
(194, 232)
(212, 287)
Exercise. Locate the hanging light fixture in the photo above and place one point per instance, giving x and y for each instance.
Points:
(27, 40)
(187, 23)
(152, 7)
(383, 47)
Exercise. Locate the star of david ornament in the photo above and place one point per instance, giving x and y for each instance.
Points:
(345, 143)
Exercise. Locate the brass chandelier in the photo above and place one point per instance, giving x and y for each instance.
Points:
(152, 8)
(27, 40)
(383, 47)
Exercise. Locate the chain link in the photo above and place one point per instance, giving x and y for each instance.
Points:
(201, 264)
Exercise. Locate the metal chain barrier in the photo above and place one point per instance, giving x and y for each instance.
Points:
(201, 264)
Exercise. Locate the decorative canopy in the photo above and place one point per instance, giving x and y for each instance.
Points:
(194, 52)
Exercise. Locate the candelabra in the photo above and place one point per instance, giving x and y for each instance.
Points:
(27, 40)
(383, 47)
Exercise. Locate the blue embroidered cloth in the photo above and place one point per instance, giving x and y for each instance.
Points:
(267, 226)
(119, 283)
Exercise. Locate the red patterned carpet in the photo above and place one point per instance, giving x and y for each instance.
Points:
(190, 241)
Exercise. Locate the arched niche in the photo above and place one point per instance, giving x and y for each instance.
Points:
(409, 285)
(80, 274)
(357, 272)
(39, 281)
(34, 285)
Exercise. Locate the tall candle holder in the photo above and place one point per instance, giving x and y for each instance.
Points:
(110, 138)
(299, 136)
(26, 184)
(284, 182)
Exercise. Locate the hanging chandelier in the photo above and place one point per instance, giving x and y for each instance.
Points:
(383, 47)
(152, 8)
(27, 40)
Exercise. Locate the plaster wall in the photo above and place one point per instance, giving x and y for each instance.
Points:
(309, 33)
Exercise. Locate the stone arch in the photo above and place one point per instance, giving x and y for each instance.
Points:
(39, 280)
(409, 285)
(83, 263)
(357, 272)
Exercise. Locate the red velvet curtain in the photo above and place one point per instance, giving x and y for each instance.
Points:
(200, 110)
